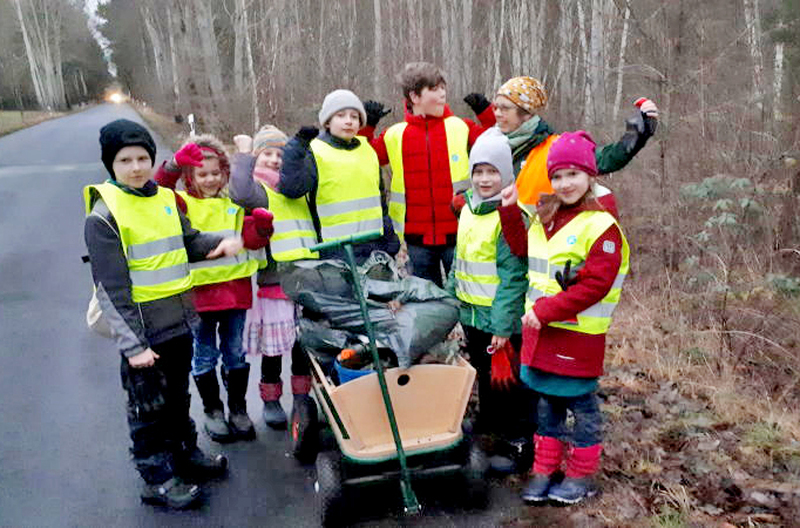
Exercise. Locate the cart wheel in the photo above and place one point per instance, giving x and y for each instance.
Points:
(329, 488)
(303, 430)
(474, 473)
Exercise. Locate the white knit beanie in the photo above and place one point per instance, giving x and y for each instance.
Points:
(339, 100)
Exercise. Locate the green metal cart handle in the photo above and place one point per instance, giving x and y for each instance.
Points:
(353, 239)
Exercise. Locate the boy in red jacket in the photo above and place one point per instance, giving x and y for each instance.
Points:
(577, 261)
(429, 160)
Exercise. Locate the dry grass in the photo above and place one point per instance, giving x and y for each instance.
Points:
(13, 120)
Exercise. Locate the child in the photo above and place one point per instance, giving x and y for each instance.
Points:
(428, 156)
(222, 291)
(339, 174)
(491, 284)
(578, 259)
(141, 276)
(270, 330)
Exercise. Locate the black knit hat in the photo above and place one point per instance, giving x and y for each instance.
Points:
(122, 133)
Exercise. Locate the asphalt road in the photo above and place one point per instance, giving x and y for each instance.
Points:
(63, 436)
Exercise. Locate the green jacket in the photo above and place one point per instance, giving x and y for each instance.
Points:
(503, 318)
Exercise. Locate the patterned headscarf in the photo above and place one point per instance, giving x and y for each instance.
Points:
(525, 92)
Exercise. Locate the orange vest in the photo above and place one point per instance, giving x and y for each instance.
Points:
(532, 179)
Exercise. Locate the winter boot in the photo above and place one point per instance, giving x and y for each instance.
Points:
(196, 466)
(273, 413)
(548, 453)
(301, 386)
(578, 483)
(173, 493)
(236, 382)
(215, 425)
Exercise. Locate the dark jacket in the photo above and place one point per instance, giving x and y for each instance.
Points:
(138, 326)
(299, 177)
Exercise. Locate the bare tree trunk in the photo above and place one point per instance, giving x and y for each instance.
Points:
(250, 68)
(173, 56)
(777, 82)
(753, 22)
(155, 42)
(32, 60)
(208, 44)
(499, 44)
(377, 50)
(583, 59)
(621, 63)
(565, 29)
(596, 86)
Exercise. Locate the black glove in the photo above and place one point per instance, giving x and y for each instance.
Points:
(375, 111)
(307, 133)
(478, 102)
(568, 277)
(147, 386)
(638, 129)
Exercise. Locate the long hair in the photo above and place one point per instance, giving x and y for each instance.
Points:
(211, 147)
(549, 204)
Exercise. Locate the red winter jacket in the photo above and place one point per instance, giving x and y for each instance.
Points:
(561, 351)
(232, 295)
(426, 169)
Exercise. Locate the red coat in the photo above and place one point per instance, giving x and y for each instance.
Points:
(426, 169)
(561, 351)
(232, 295)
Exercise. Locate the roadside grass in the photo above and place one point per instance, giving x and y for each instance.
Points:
(13, 120)
(171, 132)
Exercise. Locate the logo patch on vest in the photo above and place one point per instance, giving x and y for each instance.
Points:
(231, 210)
(609, 247)
(168, 209)
(454, 157)
(572, 240)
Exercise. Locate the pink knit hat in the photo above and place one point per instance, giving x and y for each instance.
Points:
(573, 150)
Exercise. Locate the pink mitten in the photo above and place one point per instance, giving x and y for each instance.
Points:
(189, 156)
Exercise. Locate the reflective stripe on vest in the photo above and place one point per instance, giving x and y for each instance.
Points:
(294, 228)
(532, 179)
(457, 134)
(221, 217)
(151, 236)
(573, 242)
(476, 257)
(348, 190)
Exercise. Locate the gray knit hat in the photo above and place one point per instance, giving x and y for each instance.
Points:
(492, 147)
(339, 100)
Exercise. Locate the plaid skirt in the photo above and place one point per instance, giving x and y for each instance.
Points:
(270, 328)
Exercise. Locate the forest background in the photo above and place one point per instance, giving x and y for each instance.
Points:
(704, 358)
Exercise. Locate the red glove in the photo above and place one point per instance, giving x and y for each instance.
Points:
(504, 367)
(189, 156)
(263, 220)
(457, 203)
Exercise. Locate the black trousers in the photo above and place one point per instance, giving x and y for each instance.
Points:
(163, 435)
(272, 366)
(506, 413)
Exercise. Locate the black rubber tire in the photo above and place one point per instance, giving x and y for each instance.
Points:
(329, 489)
(304, 431)
(474, 472)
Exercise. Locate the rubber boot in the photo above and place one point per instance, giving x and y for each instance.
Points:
(548, 454)
(301, 386)
(215, 425)
(578, 483)
(240, 424)
(274, 415)
(196, 466)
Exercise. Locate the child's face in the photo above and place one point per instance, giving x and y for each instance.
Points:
(486, 180)
(509, 117)
(132, 166)
(570, 184)
(270, 158)
(345, 123)
(430, 101)
(208, 178)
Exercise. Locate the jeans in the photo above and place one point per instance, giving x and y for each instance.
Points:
(230, 324)
(587, 430)
(426, 261)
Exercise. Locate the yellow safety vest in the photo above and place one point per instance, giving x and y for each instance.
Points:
(476, 257)
(457, 133)
(152, 239)
(222, 217)
(294, 229)
(573, 242)
(348, 190)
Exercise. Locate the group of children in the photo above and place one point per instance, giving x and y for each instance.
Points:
(536, 277)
